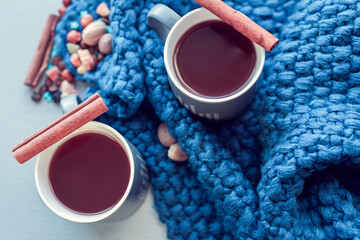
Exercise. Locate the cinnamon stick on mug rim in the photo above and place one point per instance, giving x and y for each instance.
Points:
(93, 107)
(42, 52)
(241, 23)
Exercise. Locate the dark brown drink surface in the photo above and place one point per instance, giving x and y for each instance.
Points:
(213, 59)
(89, 173)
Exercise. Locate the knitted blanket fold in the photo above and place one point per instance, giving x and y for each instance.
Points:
(288, 168)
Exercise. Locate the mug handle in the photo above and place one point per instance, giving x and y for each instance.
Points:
(69, 102)
(161, 18)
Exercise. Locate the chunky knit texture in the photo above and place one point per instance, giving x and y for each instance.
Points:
(288, 168)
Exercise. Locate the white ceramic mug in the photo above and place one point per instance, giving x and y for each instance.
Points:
(171, 27)
(131, 200)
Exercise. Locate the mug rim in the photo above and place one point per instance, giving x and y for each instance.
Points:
(202, 98)
(67, 213)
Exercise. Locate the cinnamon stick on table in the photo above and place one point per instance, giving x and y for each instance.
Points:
(93, 107)
(240, 22)
(41, 56)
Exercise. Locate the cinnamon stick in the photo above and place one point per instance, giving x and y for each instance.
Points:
(79, 116)
(45, 61)
(240, 22)
(42, 53)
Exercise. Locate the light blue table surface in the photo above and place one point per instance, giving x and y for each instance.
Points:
(23, 215)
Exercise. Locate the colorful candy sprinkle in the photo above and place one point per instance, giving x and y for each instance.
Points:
(54, 52)
(47, 96)
(108, 29)
(74, 25)
(82, 13)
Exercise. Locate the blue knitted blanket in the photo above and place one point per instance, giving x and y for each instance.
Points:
(288, 168)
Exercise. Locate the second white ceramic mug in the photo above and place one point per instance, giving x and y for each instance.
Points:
(171, 27)
(137, 186)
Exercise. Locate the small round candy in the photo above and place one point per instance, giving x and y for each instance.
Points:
(56, 96)
(86, 20)
(43, 89)
(73, 36)
(61, 66)
(66, 75)
(66, 2)
(62, 10)
(58, 82)
(81, 69)
(103, 10)
(55, 60)
(36, 97)
(53, 88)
(72, 47)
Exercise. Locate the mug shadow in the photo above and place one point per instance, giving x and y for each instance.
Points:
(142, 224)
